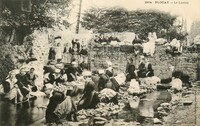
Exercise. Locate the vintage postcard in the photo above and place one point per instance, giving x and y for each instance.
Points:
(99, 62)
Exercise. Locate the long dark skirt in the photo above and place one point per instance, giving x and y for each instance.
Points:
(129, 77)
(24, 91)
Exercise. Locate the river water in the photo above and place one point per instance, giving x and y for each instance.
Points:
(21, 115)
(27, 114)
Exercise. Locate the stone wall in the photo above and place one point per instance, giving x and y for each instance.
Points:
(162, 62)
(40, 51)
(41, 46)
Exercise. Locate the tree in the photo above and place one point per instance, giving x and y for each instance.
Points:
(120, 20)
(144, 21)
(21, 17)
(92, 19)
(195, 30)
(116, 19)
(105, 20)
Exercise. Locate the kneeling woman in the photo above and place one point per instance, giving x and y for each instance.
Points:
(60, 108)
(130, 70)
(90, 98)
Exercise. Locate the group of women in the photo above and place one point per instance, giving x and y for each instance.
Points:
(144, 69)
(71, 51)
(62, 105)
(18, 85)
(100, 86)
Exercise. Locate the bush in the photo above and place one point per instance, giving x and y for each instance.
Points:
(9, 59)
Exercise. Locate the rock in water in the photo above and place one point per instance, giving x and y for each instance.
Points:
(134, 103)
(157, 121)
(177, 84)
(100, 123)
(187, 102)
(146, 108)
(99, 119)
(166, 106)
(164, 97)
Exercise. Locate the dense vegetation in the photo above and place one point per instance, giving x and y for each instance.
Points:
(18, 19)
(22, 17)
(140, 21)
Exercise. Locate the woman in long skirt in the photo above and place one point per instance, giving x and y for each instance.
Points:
(58, 50)
(75, 53)
(67, 56)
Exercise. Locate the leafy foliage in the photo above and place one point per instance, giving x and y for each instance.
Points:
(174, 32)
(120, 20)
(195, 30)
(105, 20)
(6, 65)
(43, 13)
(144, 21)
(13, 57)
(19, 20)
(92, 19)
(9, 56)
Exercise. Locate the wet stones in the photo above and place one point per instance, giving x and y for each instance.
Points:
(162, 110)
(134, 103)
(102, 111)
(120, 122)
(157, 121)
(187, 102)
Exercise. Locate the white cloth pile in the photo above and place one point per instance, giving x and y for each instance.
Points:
(120, 78)
(176, 43)
(114, 43)
(161, 41)
(176, 84)
(108, 93)
(152, 82)
(134, 87)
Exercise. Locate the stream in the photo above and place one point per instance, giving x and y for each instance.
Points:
(27, 114)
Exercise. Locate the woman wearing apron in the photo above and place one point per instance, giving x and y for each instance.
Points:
(75, 52)
(58, 50)
(67, 56)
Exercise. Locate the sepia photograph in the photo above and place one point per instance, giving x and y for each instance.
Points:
(99, 62)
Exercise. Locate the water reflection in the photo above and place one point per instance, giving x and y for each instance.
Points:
(21, 115)
(27, 114)
(7, 114)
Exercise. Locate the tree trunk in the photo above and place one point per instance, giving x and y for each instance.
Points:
(12, 36)
(1, 9)
(5, 35)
